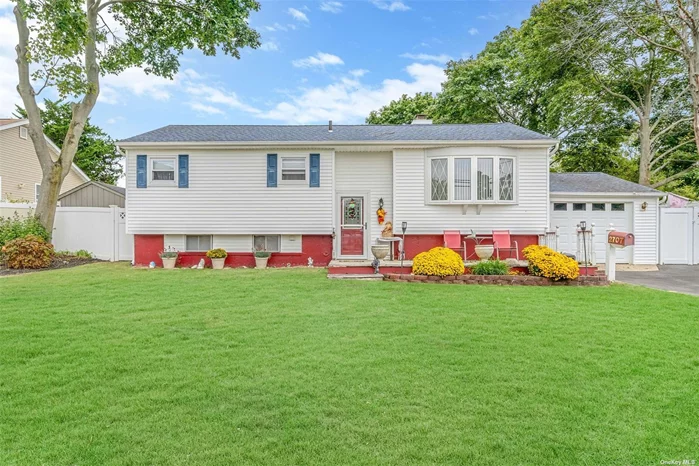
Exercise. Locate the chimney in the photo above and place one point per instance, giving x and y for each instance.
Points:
(421, 119)
(330, 126)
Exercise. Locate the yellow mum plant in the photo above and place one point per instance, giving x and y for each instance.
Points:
(545, 262)
(440, 262)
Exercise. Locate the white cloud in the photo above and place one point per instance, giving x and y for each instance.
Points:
(115, 120)
(358, 73)
(218, 96)
(202, 108)
(269, 46)
(298, 15)
(328, 7)
(318, 60)
(137, 82)
(390, 5)
(473, 31)
(5, 4)
(349, 100)
(442, 58)
(489, 16)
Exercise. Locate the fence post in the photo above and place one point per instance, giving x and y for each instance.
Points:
(610, 262)
(593, 255)
(115, 233)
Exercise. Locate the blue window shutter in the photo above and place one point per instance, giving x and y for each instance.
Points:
(141, 171)
(271, 170)
(183, 165)
(315, 171)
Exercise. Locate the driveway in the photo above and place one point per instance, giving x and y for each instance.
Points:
(677, 278)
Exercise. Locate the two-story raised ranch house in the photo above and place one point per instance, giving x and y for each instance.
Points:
(20, 172)
(313, 191)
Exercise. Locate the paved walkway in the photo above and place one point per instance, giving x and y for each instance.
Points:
(678, 278)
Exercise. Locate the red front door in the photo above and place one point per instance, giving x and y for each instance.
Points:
(352, 226)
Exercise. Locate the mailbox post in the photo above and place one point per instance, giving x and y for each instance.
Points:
(615, 240)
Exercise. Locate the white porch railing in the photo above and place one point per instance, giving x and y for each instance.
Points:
(549, 238)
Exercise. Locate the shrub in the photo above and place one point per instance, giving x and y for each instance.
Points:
(15, 227)
(262, 254)
(218, 253)
(490, 267)
(545, 262)
(440, 262)
(83, 254)
(30, 252)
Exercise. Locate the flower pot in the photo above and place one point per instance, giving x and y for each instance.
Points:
(261, 262)
(218, 263)
(380, 251)
(169, 262)
(484, 251)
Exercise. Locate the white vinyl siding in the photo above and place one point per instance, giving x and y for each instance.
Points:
(291, 243)
(360, 173)
(233, 243)
(528, 216)
(228, 195)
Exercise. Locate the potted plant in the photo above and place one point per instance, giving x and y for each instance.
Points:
(169, 257)
(261, 258)
(218, 257)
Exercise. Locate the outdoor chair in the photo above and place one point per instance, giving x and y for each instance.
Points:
(452, 240)
(503, 241)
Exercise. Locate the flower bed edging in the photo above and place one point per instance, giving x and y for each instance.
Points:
(527, 280)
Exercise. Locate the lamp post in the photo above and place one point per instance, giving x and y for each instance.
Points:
(404, 228)
(583, 228)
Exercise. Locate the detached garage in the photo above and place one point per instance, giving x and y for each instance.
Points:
(600, 200)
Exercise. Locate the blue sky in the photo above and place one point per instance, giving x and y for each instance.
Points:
(320, 60)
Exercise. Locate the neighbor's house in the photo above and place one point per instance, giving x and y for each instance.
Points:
(20, 172)
(313, 191)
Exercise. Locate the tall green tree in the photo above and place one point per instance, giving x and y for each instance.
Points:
(97, 154)
(68, 45)
(403, 110)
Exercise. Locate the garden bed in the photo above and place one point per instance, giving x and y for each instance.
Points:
(58, 262)
(528, 280)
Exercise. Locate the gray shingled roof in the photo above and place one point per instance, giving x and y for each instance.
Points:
(595, 182)
(320, 133)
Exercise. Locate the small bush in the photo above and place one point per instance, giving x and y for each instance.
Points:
(83, 254)
(30, 252)
(218, 253)
(490, 267)
(15, 227)
(440, 262)
(545, 262)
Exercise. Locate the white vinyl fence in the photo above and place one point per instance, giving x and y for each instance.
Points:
(101, 231)
(679, 235)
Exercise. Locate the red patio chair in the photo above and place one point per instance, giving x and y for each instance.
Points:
(452, 240)
(502, 240)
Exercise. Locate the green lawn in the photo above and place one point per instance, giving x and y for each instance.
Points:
(105, 364)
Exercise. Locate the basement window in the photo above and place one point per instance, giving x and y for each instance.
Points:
(198, 243)
(271, 243)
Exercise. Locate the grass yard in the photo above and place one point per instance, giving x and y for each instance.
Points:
(106, 365)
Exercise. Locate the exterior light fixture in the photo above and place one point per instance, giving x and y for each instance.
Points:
(644, 206)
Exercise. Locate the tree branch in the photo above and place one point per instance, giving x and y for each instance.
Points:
(660, 156)
(26, 91)
(669, 128)
(677, 175)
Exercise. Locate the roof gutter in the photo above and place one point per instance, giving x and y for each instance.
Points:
(419, 143)
(607, 194)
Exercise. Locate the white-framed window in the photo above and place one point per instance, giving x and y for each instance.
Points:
(163, 170)
(37, 191)
(471, 180)
(198, 243)
(271, 243)
(23, 133)
(294, 169)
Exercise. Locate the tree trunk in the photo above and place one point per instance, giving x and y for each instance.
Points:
(644, 171)
(51, 182)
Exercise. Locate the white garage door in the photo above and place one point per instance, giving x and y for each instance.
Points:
(567, 215)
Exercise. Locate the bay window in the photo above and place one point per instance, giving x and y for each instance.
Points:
(470, 179)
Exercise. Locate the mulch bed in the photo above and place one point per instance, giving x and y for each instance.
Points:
(527, 280)
(59, 262)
